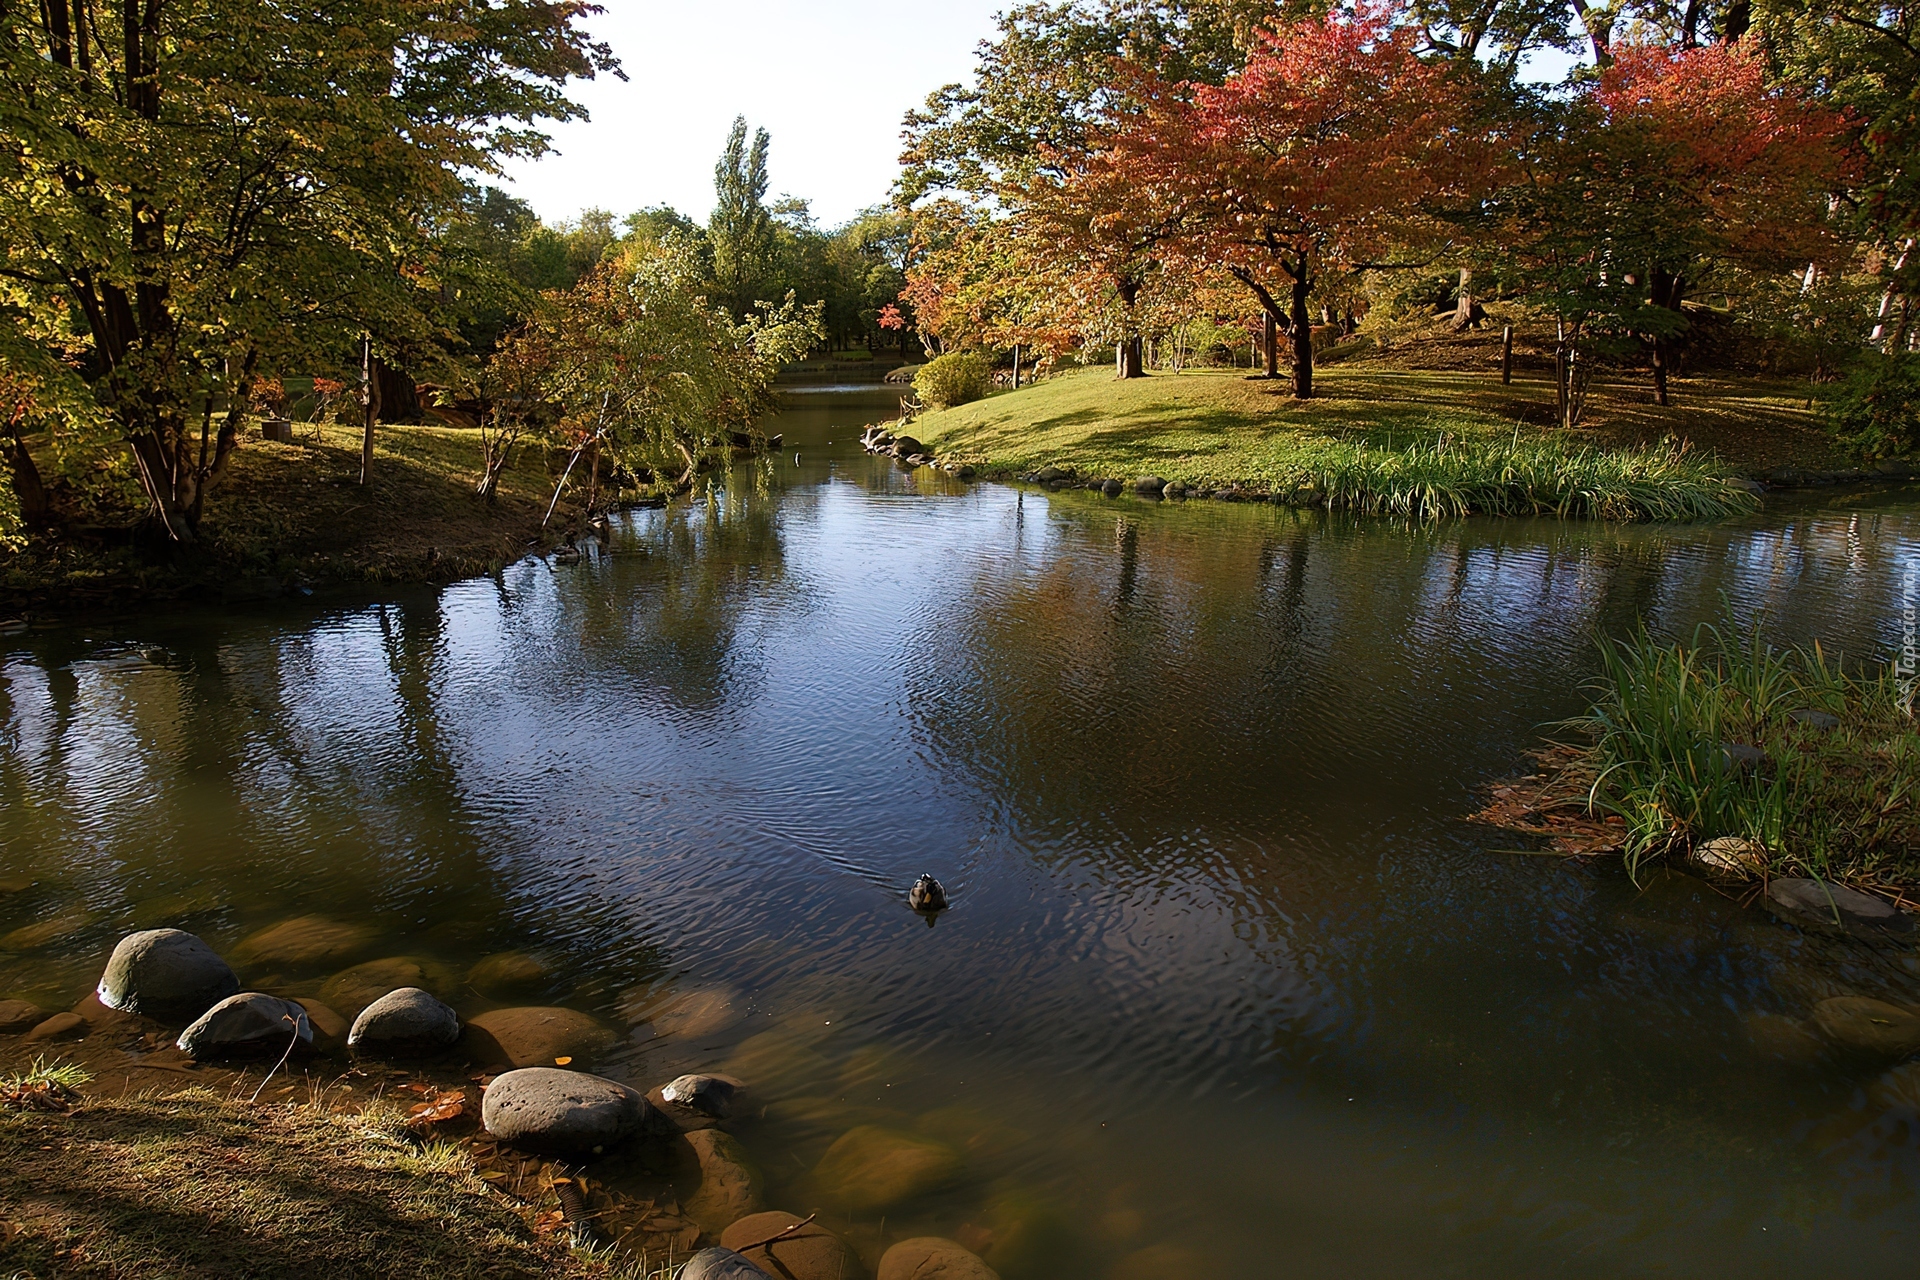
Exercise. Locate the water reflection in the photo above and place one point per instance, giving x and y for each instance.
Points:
(1226, 979)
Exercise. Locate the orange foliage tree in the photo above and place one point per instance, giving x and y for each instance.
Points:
(1336, 145)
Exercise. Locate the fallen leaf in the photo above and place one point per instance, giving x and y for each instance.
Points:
(561, 1062)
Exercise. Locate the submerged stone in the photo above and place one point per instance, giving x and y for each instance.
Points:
(34, 936)
(305, 942)
(354, 989)
(165, 974)
(249, 1023)
(933, 1258)
(1869, 1025)
(18, 1015)
(510, 973)
(870, 1168)
(536, 1036)
(709, 1095)
(730, 1183)
(553, 1112)
(1833, 908)
(810, 1253)
(61, 1026)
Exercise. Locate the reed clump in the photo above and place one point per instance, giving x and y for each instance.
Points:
(1442, 477)
(1812, 764)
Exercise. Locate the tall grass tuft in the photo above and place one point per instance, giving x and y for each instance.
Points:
(1534, 477)
(1830, 800)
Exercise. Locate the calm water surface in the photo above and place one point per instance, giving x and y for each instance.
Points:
(1229, 989)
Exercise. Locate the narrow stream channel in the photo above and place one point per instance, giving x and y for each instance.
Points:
(1228, 989)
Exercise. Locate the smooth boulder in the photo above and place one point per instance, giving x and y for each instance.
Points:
(1832, 908)
(249, 1023)
(730, 1185)
(869, 1169)
(550, 1111)
(536, 1037)
(165, 974)
(720, 1264)
(810, 1252)
(933, 1258)
(409, 1018)
(354, 989)
(709, 1095)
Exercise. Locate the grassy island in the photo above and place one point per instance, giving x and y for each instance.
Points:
(1391, 435)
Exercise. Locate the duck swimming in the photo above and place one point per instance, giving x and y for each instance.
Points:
(927, 895)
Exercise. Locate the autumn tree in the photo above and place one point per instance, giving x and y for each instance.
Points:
(637, 367)
(1675, 164)
(1335, 146)
(199, 192)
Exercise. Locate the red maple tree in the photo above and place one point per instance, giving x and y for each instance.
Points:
(1334, 145)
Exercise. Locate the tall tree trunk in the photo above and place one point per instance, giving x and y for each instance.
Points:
(1668, 290)
(35, 509)
(370, 403)
(399, 400)
(1127, 359)
(1463, 308)
(1270, 344)
(1302, 337)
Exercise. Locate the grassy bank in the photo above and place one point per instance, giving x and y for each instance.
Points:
(197, 1183)
(1751, 760)
(297, 514)
(1382, 437)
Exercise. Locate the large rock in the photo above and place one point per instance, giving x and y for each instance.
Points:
(810, 1253)
(304, 943)
(247, 1024)
(407, 1019)
(871, 1169)
(932, 1258)
(536, 1037)
(565, 1113)
(352, 990)
(705, 1095)
(165, 974)
(730, 1185)
(18, 1015)
(1868, 1025)
(1832, 908)
(720, 1264)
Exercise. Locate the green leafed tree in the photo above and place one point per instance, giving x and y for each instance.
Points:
(196, 194)
(741, 231)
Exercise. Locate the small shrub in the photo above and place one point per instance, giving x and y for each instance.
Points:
(948, 380)
(1875, 412)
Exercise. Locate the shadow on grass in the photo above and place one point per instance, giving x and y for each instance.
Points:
(195, 1185)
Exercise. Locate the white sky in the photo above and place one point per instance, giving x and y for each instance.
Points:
(830, 79)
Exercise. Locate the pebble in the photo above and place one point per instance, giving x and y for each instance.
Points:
(251, 1022)
(933, 1258)
(409, 1018)
(567, 1113)
(165, 974)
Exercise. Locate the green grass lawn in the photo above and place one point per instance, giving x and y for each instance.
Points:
(1219, 427)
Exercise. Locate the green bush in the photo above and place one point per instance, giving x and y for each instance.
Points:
(953, 379)
(1875, 412)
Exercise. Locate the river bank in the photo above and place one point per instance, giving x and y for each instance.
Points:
(293, 517)
(1433, 441)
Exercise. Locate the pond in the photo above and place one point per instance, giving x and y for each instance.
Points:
(1229, 988)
